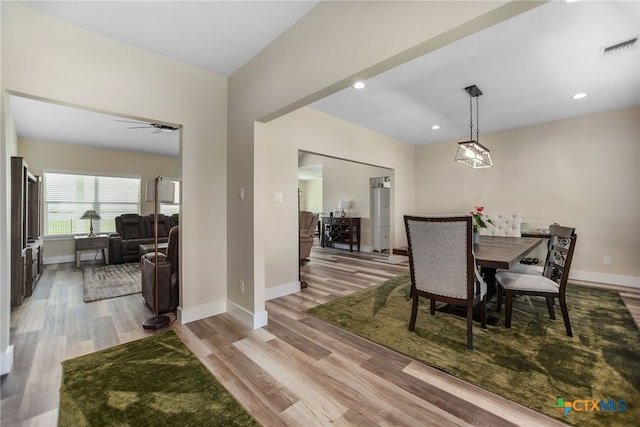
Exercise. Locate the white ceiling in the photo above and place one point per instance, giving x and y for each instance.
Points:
(527, 67)
(43, 121)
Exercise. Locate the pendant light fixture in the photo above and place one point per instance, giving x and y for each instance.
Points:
(471, 152)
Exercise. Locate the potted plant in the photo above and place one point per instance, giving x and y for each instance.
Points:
(479, 222)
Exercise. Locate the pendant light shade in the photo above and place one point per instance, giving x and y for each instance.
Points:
(472, 153)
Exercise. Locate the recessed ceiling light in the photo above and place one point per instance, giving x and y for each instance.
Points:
(579, 95)
(359, 85)
(435, 127)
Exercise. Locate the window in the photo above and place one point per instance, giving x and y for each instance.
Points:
(68, 196)
(172, 208)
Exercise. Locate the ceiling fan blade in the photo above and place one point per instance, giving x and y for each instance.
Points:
(140, 127)
(156, 131)
(130, 121)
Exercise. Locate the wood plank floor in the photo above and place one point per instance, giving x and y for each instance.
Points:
(297, 371)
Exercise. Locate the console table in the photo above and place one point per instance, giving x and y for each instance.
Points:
(87, 243)
(344, 230)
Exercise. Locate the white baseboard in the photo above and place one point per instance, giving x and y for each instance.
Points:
(607, 279)
(252, 320)
(6, 361)
(201, 311)
(363, 248)
(397, 259)
(58, 259)
(281, 290)
(85, 256)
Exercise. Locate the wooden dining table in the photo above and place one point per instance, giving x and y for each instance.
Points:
(492, 253)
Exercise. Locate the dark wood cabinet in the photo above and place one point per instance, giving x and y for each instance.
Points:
(33, 265)
(345, 230)
(26, 245)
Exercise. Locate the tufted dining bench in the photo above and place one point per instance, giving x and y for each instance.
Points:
(504, 224)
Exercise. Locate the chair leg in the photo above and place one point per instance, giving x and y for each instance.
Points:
(508, 306)
(499, 302)
(552, 314)
(432, 307)
(565, 315)
(470, 326)
(414, 312)
(483, 312)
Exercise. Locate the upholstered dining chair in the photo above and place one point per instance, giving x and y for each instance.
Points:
(502, 224)
(443, 267)
(532, 269)
(551, 284)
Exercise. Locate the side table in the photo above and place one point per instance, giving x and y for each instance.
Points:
(88, 243)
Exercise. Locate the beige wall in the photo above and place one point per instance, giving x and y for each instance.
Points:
(48, 58)
(50, 156)
(327, 50)
(8, 148)
(350, 181)
(580, 172)
(311, 195)
(315, 132)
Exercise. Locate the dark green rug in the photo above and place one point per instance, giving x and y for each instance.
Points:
(154, 381)
(534, 363)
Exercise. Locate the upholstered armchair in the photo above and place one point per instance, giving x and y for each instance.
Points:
(168, 275)
(308, 222)
(133, 230)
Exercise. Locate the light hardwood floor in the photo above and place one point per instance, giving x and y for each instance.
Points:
(297, 371)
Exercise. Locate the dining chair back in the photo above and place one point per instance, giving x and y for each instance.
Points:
(553, 281)
(502, 224)
(443, 267)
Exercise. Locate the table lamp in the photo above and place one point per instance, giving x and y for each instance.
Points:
(342, 205)
(90, 215)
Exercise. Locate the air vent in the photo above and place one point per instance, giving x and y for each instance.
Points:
(620, 48)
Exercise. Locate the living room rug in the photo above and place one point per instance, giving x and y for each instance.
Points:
(110, 281)
(155, 381)
(534, 363)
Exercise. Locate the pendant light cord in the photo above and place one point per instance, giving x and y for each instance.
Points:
(470, 117)
(478, 119)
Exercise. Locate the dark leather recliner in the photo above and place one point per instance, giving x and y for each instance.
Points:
(133, 230)
(168, 275)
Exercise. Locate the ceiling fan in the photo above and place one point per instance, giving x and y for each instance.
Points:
(158, 127)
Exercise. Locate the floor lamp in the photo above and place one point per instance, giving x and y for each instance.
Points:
(158, 191)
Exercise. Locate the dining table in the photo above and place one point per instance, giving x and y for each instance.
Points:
(493, 253)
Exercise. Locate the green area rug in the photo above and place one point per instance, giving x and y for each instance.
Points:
(534, 363)
(154, 381)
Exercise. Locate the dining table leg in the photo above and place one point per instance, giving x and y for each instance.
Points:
(489, 276)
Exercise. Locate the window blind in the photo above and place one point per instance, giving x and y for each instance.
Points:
(68, 196)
